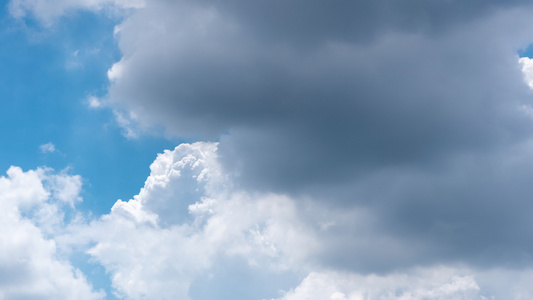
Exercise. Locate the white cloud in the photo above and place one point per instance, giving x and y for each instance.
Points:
(527, 69)
(65, 188)
(115, 72)
(94, 102)
(128, 122)
(47, 148)
(427, 284)
(184, 222)
(30, 265)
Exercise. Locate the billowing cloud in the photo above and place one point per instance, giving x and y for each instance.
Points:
(31, 266)
(185, 223)
(191, 234)
(411, 120)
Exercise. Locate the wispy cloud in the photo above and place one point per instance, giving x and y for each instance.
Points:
(48, 148)
(94, 102)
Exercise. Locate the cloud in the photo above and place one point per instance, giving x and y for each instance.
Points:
(185, 223)
(296, 108)
(191, 233)
(190, 225)
(427, 284)
(422, 283)
(30, 263)
(47, 148)
(65, 188)
(527, 69)
(94, 102)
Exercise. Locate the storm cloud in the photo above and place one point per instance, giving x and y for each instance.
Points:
(295, 106)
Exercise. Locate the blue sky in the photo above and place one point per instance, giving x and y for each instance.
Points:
(269, 150)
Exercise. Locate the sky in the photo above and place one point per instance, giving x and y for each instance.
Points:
(269, 150)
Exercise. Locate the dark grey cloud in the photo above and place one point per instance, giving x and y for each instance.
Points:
(472, 208)
(405, 100)
(408, 110)
(304, 23)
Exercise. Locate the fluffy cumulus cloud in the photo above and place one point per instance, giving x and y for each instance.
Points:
(366, 150)
(184, 227)
(192, 234)
(31, 266)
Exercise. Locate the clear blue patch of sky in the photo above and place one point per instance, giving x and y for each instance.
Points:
(95, 273)
(527, 52)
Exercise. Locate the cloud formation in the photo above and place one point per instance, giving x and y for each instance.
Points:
(412, 119)
(191, 234)
(187, 221)
(295, 109)
(361, 146)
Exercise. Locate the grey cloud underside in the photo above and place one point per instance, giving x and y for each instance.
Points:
(408, 109)
(475, 210)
